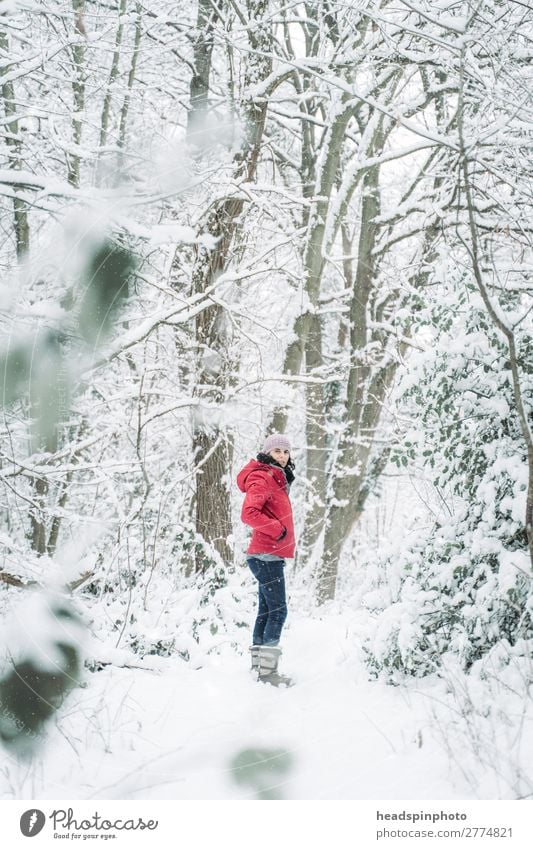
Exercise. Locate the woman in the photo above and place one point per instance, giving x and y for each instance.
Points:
(266, 483)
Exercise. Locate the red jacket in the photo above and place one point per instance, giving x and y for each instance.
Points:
(267, 509)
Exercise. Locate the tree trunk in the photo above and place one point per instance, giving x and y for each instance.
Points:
(355, 442)
(206, 21)
(212, 448)
(14, 146)
(307, 347)
(122, 130)
(113, 75)
(78, 89)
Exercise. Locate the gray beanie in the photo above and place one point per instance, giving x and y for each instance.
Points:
(276, 440)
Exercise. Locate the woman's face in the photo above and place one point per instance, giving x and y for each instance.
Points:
(280, 455)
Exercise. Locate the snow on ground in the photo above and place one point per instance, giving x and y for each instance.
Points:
(173, 733)
(174, 729)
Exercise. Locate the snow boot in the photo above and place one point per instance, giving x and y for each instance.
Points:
(254, 652)
(268, 667)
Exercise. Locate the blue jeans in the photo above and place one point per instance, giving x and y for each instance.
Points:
(272, 610)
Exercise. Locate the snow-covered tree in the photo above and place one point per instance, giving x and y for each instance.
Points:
(466, 585)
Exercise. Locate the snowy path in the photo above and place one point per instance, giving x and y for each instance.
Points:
(174, 733)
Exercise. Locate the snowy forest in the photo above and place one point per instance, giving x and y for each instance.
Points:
(229, 219)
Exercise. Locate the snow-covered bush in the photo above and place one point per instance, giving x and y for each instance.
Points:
(464, 583)
(157, 608)
(489, 731)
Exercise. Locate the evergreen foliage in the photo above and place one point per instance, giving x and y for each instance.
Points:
(463, 584)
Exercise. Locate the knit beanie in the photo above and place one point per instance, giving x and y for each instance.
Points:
(276, 440)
